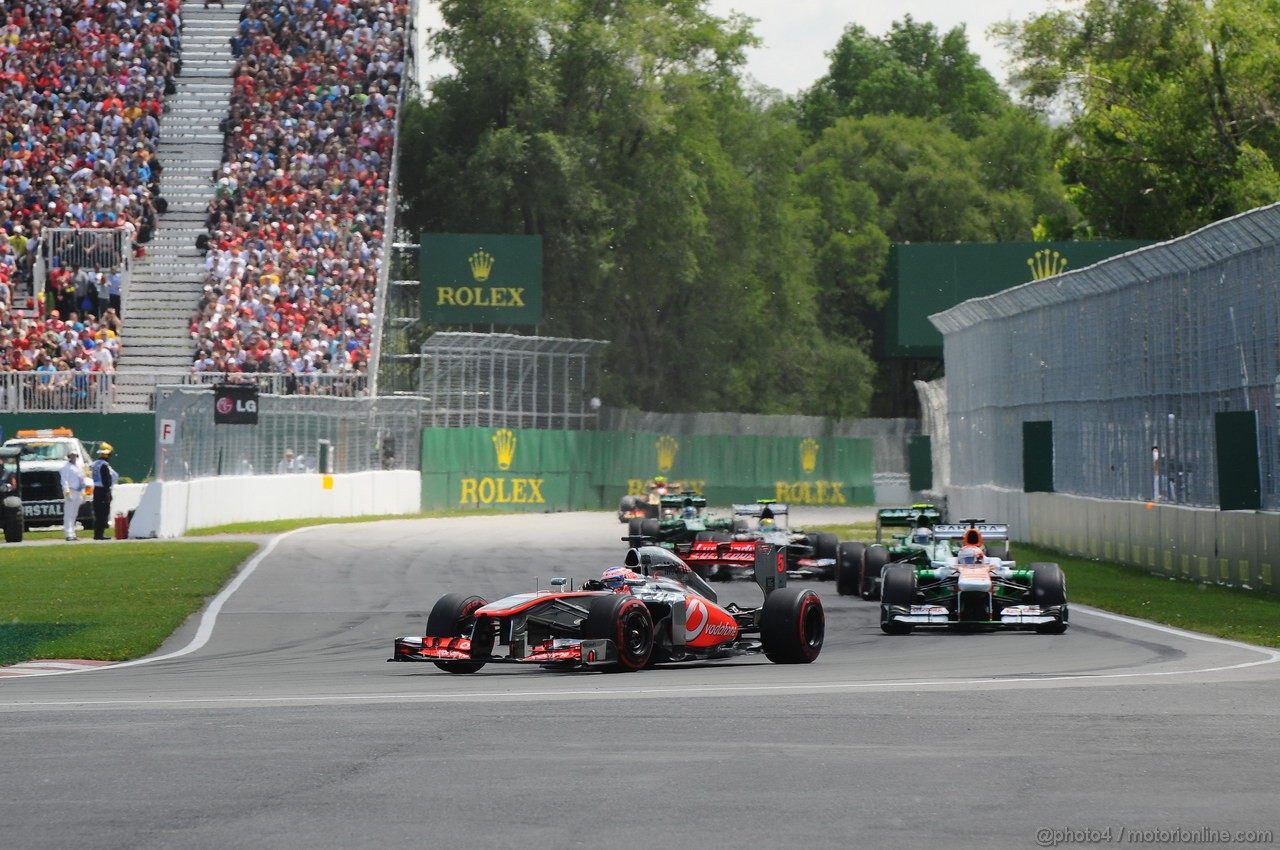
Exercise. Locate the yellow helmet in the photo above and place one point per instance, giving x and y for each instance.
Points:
(105, 449)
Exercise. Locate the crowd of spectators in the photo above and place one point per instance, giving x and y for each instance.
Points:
(296, 224)
(82, 86)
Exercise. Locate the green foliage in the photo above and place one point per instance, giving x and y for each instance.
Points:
(1171, 105)
(715, 235)
(619, 132)
(912, 71)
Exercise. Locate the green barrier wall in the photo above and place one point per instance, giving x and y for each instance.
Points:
(132, 435)
(572, 470)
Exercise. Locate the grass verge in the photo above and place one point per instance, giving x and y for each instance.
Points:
(107, 602)
(1228, 612)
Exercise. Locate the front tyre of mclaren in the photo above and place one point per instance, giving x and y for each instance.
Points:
(452, 616)
(624, 620)
(792, 626)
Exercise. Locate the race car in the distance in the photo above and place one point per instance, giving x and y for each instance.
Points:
(972, 589)
(647, 506)
(682, 518)
(810, 555)
(652, 609)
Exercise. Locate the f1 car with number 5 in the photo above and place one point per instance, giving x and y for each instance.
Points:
(651, 610)
(973, 590)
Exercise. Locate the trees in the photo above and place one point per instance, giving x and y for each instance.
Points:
(912, 71)
(618, 130)
(731, 245)
(1171, 107)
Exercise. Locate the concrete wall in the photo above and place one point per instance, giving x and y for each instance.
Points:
(170, 508)
(1239, 548)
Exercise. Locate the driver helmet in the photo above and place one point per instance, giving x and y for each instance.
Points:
(766, 523)
(970, 555)
(615, 578)
(660, 480)
(690, 511)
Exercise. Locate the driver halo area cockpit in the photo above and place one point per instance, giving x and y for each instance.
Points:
(658, 563)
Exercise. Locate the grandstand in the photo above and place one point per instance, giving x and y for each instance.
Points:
(249, 212)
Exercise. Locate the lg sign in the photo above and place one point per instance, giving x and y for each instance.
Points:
(235, 404)
(227, 405)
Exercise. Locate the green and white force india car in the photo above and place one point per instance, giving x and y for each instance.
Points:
(972, 589)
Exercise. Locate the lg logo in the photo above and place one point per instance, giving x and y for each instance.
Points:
(226, 405)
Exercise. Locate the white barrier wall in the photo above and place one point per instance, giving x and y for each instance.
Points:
(1240, 548)
(170, 508)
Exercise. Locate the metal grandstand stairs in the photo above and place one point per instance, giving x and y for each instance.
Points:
(165, 285)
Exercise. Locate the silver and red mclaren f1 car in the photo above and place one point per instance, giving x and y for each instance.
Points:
(653, 610)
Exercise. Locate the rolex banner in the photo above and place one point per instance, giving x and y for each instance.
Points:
(235, 404)
(481, 279)
(536, 470)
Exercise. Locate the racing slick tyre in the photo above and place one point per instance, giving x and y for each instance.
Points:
(849, 568)
(626, 621)
(13, 529)
(1001, 552)
(650, 528)
(1048, 590)
(740, 525)
(827, 547)
(792, 626)
(454, 615)
(897, 590)
(874, 560)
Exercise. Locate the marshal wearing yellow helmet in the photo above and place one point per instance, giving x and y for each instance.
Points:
(104, 481)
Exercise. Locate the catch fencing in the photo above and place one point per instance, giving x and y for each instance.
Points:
(295, 433)
(1130, 360)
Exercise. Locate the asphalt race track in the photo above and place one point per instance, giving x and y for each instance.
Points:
(273, 721)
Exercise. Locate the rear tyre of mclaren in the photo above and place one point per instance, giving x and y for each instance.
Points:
(626, 621)
(792, 626)
(897, 590)
(1049, 590)
(454, 615)
(849, 568)
(873, 562)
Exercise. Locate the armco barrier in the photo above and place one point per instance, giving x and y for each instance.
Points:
(170, 508)
(1240, 548)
